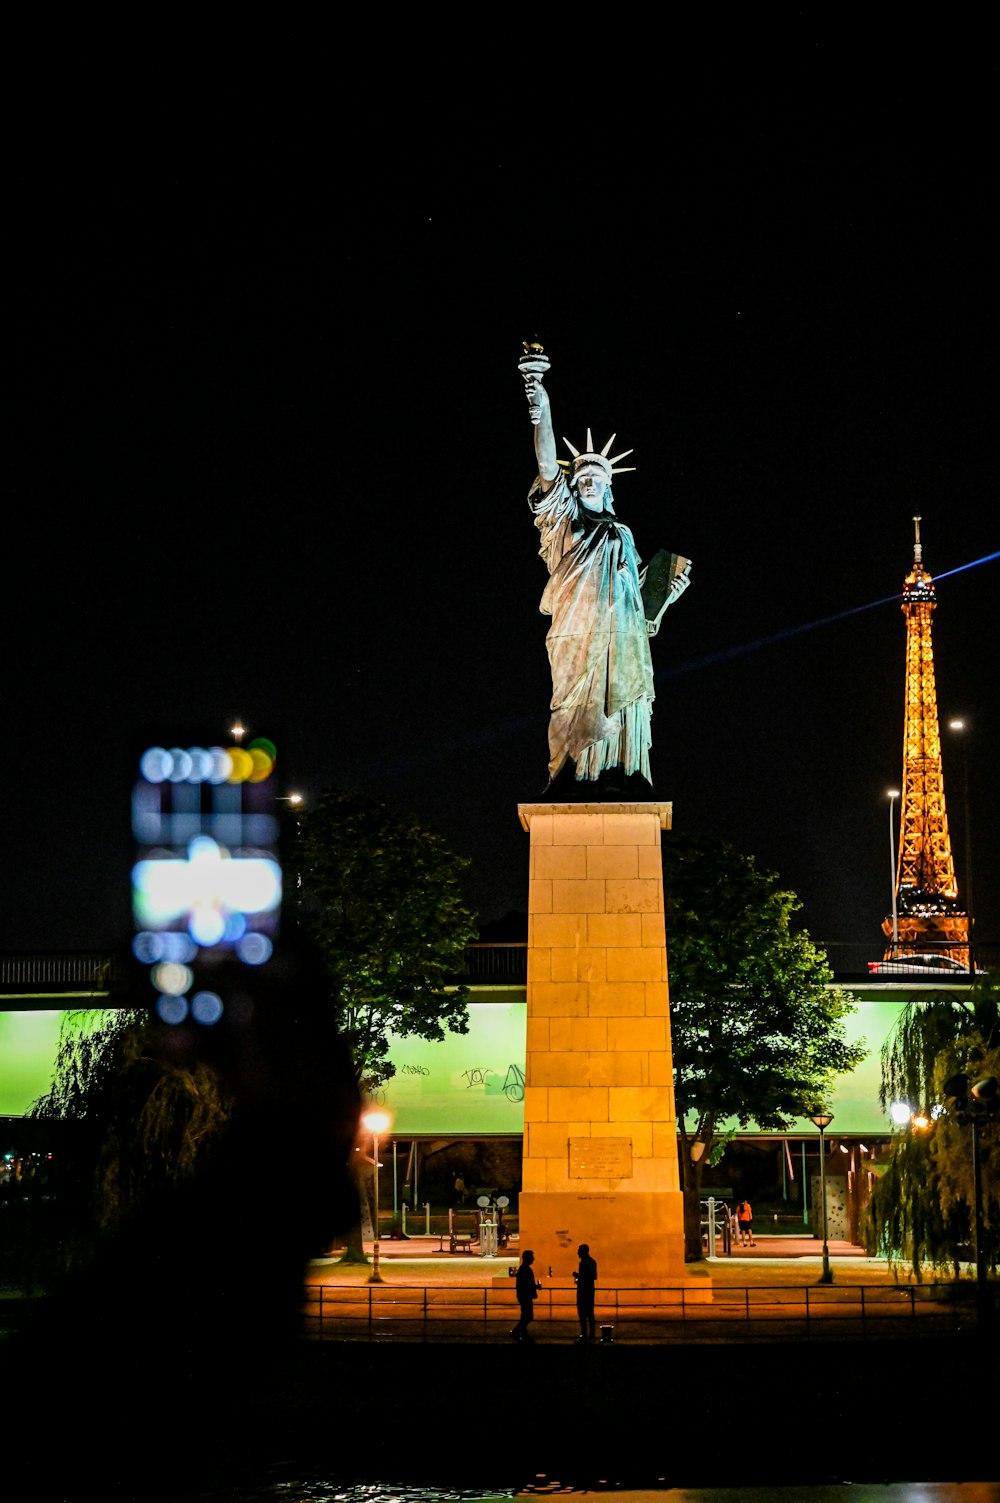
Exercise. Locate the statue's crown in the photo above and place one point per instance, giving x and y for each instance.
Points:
(592, 459)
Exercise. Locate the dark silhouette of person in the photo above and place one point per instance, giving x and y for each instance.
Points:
(527, 1288)
(586, 1279)
(201, 1288)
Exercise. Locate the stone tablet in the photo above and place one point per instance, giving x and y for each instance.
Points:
(662, 583)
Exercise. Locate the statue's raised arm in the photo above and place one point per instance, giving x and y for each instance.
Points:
(533, 365)
(604, 605)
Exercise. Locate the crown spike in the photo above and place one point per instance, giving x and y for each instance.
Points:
(607, 446)
(615, 458)
(590, 442)
(623, 469)
(575, 452)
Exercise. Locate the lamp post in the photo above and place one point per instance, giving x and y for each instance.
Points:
(822, 1120)
(295, 804)
(972, 1103)
(377, 1122)
(697, 1154)
(962, 730)
(892, 795)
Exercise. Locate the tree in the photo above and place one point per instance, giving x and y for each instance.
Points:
(141, 1123)
(758, 1034)
(922, 1205)
(156, 1116)
(381, 895)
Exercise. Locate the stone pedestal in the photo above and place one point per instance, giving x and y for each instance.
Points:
(600, 1130)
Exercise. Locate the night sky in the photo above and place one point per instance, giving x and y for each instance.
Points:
(271, 454)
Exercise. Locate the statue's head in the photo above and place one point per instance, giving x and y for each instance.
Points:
(592, 471)
(593, 486)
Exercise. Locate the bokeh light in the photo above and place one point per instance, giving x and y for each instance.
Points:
(242, 765)
(155, 764)
(168, 945)
(207, 926)
(207, 868)
(206, 1007)
(255, 949)
(171, 978)
(172, 1009)
(180, 769)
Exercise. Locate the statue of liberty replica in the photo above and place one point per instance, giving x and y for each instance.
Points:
(605, 606)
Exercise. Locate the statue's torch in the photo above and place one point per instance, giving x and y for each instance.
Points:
(533, 364)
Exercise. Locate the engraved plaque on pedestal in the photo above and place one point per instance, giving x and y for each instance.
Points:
(600, 1158)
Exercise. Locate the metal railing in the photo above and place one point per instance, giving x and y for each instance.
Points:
(380, 1312)
(61, 972)
(496, 963)
(508, 962)
(500, 964)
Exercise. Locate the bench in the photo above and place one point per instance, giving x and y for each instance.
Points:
(457, 1241)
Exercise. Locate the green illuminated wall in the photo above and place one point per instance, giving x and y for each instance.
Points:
(28, 1044)
(854, 1098)
(469, 1085)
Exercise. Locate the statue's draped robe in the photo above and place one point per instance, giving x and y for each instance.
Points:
(598, 643)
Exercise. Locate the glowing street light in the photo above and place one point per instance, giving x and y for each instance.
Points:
(892, 795)
(238, 731)
(961, 729)
(377, 1122)
(822, 1120)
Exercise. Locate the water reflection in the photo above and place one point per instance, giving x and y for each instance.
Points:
(299, 1488)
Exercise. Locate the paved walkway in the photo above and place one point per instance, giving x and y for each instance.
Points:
(420, 1260)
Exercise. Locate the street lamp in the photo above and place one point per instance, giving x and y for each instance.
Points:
(961, 728)
(972, 1103)
(892, 795)
(822, 1120)
(377, 1122)
(296, 805)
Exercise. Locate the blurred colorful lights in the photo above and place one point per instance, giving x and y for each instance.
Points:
(253, 763)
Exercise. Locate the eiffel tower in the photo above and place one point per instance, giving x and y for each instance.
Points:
(928, 917)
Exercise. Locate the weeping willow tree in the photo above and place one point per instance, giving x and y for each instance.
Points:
(922, 1207)
(140, 1123)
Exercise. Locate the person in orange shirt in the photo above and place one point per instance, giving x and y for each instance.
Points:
(744, 1216)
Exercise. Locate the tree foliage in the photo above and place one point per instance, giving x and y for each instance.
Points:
(922, 1205)
(382, 896)
(141, 1122)
(188, 1142)
(758, 1033)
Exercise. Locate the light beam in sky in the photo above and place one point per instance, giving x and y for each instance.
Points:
(794, 631)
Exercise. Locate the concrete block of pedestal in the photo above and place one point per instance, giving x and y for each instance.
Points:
(600, 1152)
(637, 1239)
